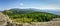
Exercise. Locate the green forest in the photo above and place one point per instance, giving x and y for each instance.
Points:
(29, 16)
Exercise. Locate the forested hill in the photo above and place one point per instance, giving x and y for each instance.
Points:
(29, 15)
(21, 11)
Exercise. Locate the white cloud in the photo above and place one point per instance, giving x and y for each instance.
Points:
(21, 4)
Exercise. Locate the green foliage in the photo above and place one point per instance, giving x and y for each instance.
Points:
(30, 16)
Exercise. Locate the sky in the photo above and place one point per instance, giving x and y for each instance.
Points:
(38, 4)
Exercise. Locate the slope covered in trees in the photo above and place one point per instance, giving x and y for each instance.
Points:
(26, 15)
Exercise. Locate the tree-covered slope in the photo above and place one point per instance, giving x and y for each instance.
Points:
(27, 15)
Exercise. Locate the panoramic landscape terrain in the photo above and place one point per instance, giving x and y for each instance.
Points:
(29, 15)
(29, 12)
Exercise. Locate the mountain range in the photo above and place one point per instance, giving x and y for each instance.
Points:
(33, 10)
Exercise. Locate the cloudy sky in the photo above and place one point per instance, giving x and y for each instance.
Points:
(39, 4)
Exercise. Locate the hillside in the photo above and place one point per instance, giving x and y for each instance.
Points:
(29, 15)
(4, 22)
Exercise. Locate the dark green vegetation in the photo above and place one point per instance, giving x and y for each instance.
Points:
(25, 15)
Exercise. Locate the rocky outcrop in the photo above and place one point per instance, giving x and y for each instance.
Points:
(3, 19)
(56, 19)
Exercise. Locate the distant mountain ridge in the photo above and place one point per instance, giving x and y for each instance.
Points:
(19, 11)
(33, 10)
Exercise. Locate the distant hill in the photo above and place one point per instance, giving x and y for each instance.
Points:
(57, 12)
(20, 11)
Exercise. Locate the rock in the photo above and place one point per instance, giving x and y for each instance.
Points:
(3, 19)
(56, 19)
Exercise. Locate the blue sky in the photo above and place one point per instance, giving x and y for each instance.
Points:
(39, 4)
